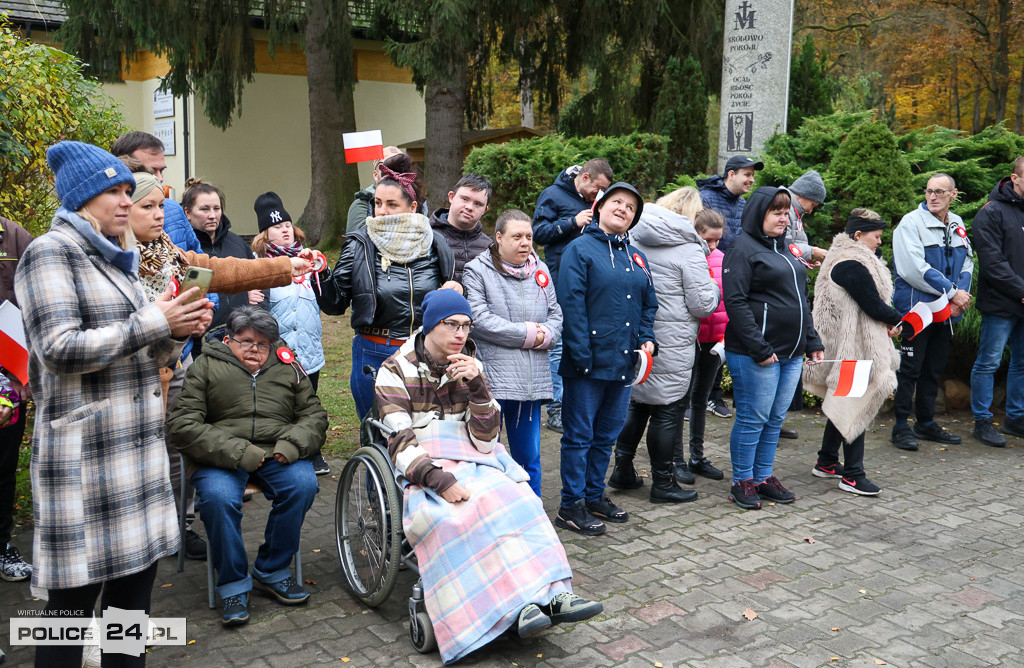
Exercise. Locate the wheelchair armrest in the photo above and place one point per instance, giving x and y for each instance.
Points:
(380, 426)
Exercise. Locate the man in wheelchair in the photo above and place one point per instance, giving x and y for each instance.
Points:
(488, 556)
(246, 412)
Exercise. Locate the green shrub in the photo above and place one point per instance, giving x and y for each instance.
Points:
(521, 169)
(44, 98)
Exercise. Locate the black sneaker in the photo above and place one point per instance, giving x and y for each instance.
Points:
(903, 438)
(705, 469)
(933, 432)
(788, 433)
(860, 485)
(195, 547)
(236, 610)
(987, 434)
(744, 495)
(773, 490)
(607, 510)
(12, 567)
(287, 591)
(555, 421)
(577, 518)
(1013, 426)
(320, 465)
(719, 408)
(682, 474)
(831, 471)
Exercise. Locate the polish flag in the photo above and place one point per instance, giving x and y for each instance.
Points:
(918, 317)
(363, 146)
(13, 350)
(940, 309)
(643, 367)
(719, 349)
(853, 378)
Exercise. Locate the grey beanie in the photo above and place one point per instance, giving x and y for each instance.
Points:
(809, 186)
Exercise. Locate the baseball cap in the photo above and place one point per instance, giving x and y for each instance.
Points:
(738, 162)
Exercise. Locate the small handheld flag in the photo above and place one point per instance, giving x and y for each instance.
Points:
(918, 317)
(719, 349)
(853, 378)
(643, 367)
(363, 146)
(13, 349)
(940, 309)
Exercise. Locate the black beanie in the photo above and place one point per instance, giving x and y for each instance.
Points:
(270, 211)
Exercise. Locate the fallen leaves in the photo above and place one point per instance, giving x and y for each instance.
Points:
(750, 614)
(191, 642)
(345, 659)
(835, 628)
(310, 582)
(316, 550)
(879, 662)
(165, 586)
(657, 664)
(862, 591)
(808, 539)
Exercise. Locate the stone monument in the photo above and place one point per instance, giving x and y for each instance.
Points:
(755, 75)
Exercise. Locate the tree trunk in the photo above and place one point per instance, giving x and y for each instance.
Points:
(1001, 66)
(976, 120)
(525, 99)
(330, 76)
(1018, 126)
(956, 92)
(445, 108)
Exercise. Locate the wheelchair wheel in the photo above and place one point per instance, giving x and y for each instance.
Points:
(367, 517)
(421, 632)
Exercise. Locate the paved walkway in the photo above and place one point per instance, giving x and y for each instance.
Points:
(931, 573)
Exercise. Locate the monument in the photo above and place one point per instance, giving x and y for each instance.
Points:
(755, 75)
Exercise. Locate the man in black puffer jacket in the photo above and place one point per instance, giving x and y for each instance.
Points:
(999, 239)
(460, 223)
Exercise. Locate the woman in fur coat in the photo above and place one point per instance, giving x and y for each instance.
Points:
(855, 322)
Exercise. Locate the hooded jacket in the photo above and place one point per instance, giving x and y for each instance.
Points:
(226, 243)
(998, 231)
(465, 245)
(931, 258)
(502, 305)
(677, 258)
(360, 209)
(386, 301)
(228, 418)
(715, 195)
(608, 305)
(178, 228)
(765, 290)
(554, 218)
(712, 328)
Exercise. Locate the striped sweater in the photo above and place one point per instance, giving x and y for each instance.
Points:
(412, 391)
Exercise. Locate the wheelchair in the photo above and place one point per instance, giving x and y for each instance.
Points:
(371, 545)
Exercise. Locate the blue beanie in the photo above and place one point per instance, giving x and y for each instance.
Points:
(83, 171)
(440, 304)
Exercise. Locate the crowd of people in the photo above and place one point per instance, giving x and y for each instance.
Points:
(460, 338)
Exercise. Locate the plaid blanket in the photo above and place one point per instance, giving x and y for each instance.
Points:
(484, 559)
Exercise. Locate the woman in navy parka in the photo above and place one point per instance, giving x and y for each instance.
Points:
(608, 303)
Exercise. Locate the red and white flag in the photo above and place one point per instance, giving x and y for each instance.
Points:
(853, 378)
(13, 350)
(363, 146)
(643, 367)
(940, 309)
(918, 317)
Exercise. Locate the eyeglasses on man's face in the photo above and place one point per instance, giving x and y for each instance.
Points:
(938, 192)
(453, 326)
(263, 348)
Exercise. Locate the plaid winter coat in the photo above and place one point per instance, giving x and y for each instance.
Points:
(102, 498)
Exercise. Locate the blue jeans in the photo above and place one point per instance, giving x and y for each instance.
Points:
(555, 358)
(761, 395)
(593, 413)
(291, 487)
(996, 332)
(366, 352)
(522, 436)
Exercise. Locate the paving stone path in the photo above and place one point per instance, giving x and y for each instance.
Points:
(930, 573)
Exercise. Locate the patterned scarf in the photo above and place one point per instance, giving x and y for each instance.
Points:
(400, 237)
(522, 271)
(161, 261)
(273, 250)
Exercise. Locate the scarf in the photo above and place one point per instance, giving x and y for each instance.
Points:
(273, 250)
(400, 237)
(126, 261)
(161, 262)
(521, 271)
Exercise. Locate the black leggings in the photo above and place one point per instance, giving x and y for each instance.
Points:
(131, 592)
(662, 434)
(853, 452)
(706, 370)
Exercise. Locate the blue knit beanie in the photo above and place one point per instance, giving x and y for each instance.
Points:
(442, 303)
(83, 171)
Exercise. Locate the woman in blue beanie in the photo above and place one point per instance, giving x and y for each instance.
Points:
(101, 495)
(608, 302)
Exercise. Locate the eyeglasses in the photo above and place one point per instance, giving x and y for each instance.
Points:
(249, 345)
(938, 192)
(453, 326)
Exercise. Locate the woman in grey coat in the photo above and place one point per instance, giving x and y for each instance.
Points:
(516, 319)
(677, 258)
(101, 492)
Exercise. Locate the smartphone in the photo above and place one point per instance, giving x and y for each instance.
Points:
(197, 277)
